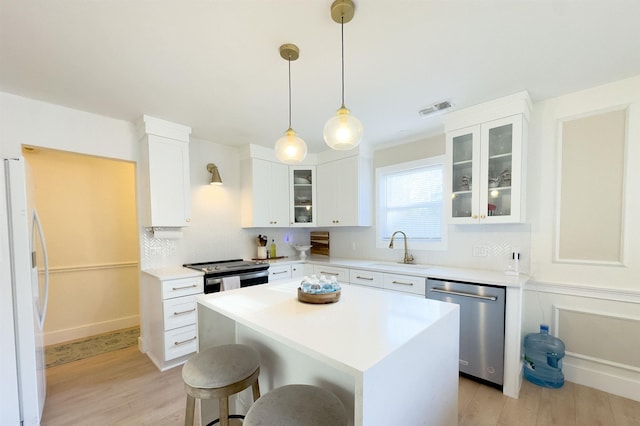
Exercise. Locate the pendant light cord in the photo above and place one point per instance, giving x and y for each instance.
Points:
(289, 61)
(342, 45)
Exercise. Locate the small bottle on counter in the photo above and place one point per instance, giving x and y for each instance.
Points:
(272, 249)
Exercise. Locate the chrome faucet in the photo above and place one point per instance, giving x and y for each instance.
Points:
(407, 257)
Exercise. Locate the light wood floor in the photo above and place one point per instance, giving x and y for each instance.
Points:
(125, 388)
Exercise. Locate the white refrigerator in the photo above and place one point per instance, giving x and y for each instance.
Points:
(24, 278)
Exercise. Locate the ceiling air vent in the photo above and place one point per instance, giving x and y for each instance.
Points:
(437, 108)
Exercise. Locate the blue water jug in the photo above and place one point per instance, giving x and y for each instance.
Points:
(543, 359)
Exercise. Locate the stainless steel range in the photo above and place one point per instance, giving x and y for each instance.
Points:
(249, 271)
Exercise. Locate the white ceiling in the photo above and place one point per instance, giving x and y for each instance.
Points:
(214, 65)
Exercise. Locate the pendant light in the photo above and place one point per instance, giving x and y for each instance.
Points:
(344, 131)
(290, 148)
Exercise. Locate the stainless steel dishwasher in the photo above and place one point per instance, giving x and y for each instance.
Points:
(481, 326)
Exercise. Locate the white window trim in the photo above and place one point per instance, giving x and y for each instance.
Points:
(412, 245)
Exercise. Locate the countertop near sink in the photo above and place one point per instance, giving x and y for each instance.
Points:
(480, 276)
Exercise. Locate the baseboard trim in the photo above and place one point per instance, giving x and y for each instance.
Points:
(617, 381)
(66, 335)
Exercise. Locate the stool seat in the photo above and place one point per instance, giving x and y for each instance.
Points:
(220, 366)
(297, 405)
(217, 373)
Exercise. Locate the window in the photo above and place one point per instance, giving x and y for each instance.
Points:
(409, 197)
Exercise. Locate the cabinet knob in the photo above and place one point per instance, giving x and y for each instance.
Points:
(482, 216)
(188, 219)
(475, 216)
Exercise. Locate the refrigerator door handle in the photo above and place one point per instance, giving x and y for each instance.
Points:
(37, 229)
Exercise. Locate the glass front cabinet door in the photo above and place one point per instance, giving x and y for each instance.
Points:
(486, 172)
(302, 196)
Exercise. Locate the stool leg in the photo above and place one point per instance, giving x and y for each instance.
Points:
(191, 407)
(224, 411)
(256, 390)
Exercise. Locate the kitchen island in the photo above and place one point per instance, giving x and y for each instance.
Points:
(391, 358)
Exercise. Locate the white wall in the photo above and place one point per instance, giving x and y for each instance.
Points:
(27, 122)
(605, 293)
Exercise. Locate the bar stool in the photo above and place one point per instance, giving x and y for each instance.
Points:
(297, 405)
(220, 372)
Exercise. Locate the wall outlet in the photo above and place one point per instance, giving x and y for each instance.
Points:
(480, 251)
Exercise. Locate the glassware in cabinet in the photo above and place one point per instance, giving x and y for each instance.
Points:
(464, 171)
(500, 164)
(303, 195)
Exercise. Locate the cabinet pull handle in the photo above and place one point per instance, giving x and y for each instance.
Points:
(402, 283)
(185, 341)
(184, 288)
(279, 272)
(364, 278)
(188, 311)
(330, 273)
(460, 293)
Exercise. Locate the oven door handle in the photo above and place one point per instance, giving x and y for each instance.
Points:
(460, 293)
(263, 273)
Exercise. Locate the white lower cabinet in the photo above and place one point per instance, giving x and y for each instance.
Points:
(181, 341)
(405, 284)
(365, 278)
(301, 270)
(410, 284)
(341, 274)
(279, 272)
(169, 318)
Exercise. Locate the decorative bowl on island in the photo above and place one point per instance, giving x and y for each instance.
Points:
(319, 298)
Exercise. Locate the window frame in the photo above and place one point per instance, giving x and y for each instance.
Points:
(405, 166)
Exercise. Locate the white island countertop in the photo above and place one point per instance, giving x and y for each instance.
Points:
(358, 331)
(397, 354)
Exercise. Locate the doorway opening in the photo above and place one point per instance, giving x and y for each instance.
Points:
(88, 210)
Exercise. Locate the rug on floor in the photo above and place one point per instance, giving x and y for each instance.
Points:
(90, 346)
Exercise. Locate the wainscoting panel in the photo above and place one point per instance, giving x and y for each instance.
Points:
(600, 328)
(600, 336)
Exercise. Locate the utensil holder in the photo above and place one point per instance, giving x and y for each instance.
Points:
(262, 252)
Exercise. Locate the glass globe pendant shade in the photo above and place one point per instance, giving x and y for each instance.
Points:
(343, 131)
(290, 148)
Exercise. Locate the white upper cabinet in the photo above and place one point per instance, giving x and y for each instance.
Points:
(329, 190)
(345, 192)
(485, 162)
(164, 174)
(302, 196)
(265, 194)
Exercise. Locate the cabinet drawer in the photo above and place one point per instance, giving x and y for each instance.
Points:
(367, 278)
(179, 342)
(179, 312)
(406, 283)
(279, 272)
(182, 287)
(341, 274)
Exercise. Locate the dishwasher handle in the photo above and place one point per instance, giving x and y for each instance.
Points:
(460, 293)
